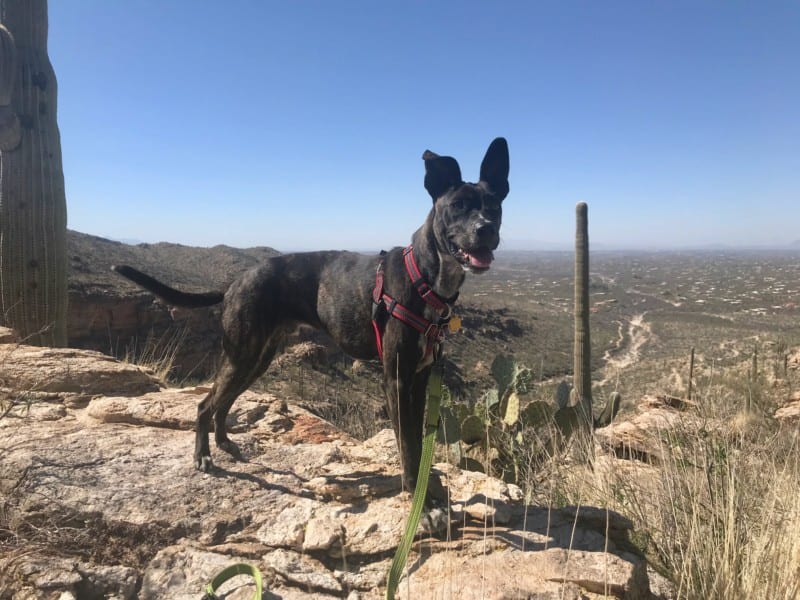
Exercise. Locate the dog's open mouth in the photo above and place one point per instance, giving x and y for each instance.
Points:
(476, 259)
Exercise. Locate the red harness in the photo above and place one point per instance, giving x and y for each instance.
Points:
(434, 332)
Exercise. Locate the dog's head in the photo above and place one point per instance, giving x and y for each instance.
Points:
(468, 215)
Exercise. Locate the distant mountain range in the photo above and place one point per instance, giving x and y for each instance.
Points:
(91, 258)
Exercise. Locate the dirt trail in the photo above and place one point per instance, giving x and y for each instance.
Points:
(627, 350)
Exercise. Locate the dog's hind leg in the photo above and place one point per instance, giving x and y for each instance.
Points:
(205, 410)
(233, 378)
(224, 403)
(227, 387)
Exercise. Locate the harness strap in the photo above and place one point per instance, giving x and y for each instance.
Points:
(377, 291)
(418, 281)
(377, 298)
(399, 311)
(434, 332)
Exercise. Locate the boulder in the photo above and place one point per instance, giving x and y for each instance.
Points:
(641, 436)
(789, 412)
(70, 371)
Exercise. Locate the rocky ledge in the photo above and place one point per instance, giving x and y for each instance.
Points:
(99, 499)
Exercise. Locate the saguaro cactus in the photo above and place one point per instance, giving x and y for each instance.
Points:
(582, 347)
(9, 122)
(33, 214)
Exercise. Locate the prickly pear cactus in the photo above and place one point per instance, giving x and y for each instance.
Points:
(494, 434)
(512, 380)
(487, 434)
(609, 411)
(33, 214)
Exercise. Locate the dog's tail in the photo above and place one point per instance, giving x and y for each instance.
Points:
(169, 295)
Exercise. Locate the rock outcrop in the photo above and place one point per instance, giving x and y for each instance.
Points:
(100, 500)
(133, 323)
(789, 411)
(70, 371)
(640, 435)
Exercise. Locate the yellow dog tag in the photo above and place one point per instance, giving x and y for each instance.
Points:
(454, 324)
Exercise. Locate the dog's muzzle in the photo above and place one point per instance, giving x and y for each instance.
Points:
(475, 259)
(477, 256)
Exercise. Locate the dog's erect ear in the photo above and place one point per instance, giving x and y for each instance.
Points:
(494, 168)
(441, 173)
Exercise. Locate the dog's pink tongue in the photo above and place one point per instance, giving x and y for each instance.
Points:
(481, 258)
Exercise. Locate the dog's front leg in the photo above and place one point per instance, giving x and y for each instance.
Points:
(405, 397)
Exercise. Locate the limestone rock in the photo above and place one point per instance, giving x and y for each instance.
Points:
(172, 409)
(182, 571)
(642, 435)
(552, 573)
(31, 368)
(789, 413)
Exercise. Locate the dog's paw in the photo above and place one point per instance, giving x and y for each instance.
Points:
(204, 464)
(434, 521)
(231, 448)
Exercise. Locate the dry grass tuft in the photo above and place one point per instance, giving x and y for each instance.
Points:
(719, 516)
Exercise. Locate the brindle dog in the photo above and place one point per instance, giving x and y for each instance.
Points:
(334, 291)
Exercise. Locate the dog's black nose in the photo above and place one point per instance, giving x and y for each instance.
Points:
(485, 229)
(487, 234)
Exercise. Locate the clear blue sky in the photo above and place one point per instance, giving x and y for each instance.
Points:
(300, 125)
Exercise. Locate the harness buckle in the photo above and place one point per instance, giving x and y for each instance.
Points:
(376, 306)
(447, 314)
(433, 332)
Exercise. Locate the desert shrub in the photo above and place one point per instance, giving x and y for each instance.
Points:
(158, 354)
(718, 513)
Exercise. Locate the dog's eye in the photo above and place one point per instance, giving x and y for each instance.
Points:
(458, 204)
(492, 211)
